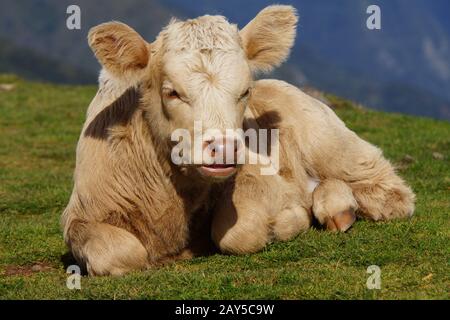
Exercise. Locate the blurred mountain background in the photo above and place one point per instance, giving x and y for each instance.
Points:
(404, 67)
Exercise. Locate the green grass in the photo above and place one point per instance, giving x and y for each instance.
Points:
(39, 128)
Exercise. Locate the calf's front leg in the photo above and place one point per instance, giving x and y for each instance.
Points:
(240, 230)
(104, 249)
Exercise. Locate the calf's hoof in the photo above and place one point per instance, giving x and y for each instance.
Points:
(341, 221)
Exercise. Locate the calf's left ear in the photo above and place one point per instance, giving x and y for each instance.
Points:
(118, 47)
(269, 37)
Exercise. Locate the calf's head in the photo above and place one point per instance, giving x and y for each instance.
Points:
(197, 76)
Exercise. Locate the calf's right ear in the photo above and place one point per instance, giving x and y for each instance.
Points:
(118, 47)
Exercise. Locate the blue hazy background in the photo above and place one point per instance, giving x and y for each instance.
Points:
(404, 67)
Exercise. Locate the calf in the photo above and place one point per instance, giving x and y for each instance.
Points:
(133, 206)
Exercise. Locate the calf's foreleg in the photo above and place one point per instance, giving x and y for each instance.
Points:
(104, 249)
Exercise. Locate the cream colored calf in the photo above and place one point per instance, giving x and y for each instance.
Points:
(132, 207)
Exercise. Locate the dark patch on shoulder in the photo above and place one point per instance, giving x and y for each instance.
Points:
(119, 112)
(268, 120)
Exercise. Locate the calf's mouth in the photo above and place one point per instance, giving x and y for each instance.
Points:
(218, 170)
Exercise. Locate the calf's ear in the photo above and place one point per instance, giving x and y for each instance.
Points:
(269, 37)
(118, 47)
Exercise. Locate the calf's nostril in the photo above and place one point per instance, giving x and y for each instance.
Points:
(224, 149)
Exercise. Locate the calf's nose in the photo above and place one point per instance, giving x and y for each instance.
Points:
(223, 149)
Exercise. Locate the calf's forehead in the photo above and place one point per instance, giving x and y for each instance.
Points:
(196, 69)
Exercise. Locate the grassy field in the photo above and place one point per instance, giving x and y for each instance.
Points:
(39, 128)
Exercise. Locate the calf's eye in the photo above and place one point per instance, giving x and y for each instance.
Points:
(172, 94)
(245, 94)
